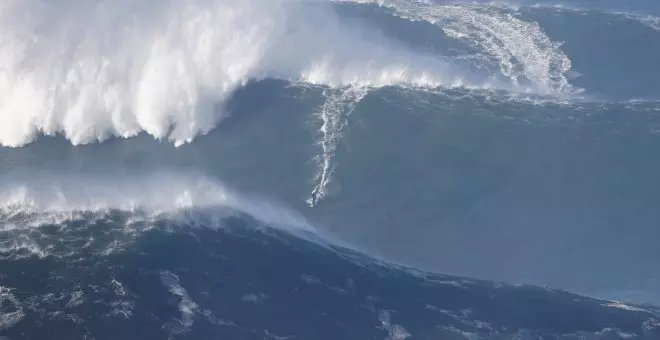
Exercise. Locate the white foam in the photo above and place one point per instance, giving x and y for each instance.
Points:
(609, 332)
(76, 299)
(187, 306)
(50, 198)
(11, 311)
(95, 69)
(650, 325)
(521, 48)
(118, 287)
(22, 246)
(395, 332)
(334, 112)
(617, 304)
(648, 20)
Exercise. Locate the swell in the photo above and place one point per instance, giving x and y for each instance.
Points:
(163, 285)
(94, 70)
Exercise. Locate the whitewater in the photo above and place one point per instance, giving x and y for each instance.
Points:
(95, 70)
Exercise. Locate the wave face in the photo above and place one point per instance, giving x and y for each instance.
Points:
(288, 168)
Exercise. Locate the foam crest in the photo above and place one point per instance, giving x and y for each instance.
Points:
(91, 70)
(648, 20)
(651, 21)
(26, 203)
(520, 48)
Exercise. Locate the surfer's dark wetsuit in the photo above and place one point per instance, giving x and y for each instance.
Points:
(314, 199)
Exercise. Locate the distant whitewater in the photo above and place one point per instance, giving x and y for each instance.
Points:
(254, 169)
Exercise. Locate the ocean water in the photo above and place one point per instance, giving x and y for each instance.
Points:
(291, 169)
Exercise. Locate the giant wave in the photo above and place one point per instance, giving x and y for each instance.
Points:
(68, 69)
(157, 157)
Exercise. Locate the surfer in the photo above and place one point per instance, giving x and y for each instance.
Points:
(314, 198)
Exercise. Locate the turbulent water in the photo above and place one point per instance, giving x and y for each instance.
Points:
(287, 169)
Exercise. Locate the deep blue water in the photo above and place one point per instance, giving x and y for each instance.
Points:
(329, 170)
(246, 282)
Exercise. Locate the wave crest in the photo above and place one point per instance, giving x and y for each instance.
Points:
(47, 199)
(91, 70)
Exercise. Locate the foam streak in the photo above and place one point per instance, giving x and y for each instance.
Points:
(334, 112)
(521, 49)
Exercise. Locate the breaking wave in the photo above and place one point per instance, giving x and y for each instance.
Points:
(48, 198)
(91, 70)
(75, 206)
